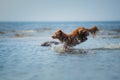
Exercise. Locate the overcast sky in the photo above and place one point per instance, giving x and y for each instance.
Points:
(59, 10)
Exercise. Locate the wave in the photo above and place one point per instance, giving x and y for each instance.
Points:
(61, 49)
(107, 47)
(37, 30)
(81, 51)
(25, 33)
(112, 46)
(108, 34)
(21, 35)
(1, 32)
(30, 32)
(49, 31)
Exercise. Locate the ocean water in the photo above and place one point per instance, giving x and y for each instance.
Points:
(22, 57)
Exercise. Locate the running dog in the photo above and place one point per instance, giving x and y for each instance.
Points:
(77, 36)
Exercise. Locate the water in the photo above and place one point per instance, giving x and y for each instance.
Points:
(22, 57)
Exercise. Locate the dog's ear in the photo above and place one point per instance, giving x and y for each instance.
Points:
(80, 32)
(60, 30)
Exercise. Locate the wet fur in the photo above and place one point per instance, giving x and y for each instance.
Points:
(77, 36)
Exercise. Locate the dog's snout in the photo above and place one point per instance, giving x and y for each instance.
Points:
(53, 36)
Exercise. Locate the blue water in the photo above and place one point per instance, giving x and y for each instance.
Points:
(22, 57)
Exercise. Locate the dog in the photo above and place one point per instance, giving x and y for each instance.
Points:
(77, 36)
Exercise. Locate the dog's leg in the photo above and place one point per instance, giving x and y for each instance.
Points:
(84, 39)
(49, 43)
(66, 47)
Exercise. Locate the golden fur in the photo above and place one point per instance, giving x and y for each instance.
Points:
(75, 37)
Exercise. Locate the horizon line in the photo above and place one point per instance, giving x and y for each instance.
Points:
(68, 21)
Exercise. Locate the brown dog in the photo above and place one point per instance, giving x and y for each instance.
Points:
(75, 37)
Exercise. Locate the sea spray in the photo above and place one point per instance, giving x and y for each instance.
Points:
(71, 50)
(59, 48)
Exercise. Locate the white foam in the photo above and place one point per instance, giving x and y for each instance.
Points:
(29, 31)
(59, 48)
(113, 46)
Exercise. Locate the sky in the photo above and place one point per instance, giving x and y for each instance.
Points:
(59, 10)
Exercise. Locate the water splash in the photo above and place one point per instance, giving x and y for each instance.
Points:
(59, 48)
(71, 50)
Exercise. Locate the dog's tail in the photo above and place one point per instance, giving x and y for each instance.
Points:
(93, 30)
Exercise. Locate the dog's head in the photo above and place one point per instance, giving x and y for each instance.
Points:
(57, 34)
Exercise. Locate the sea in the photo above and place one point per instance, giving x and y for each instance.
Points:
(23, 58)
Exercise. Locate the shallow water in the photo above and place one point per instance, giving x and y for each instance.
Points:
(22, 57)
